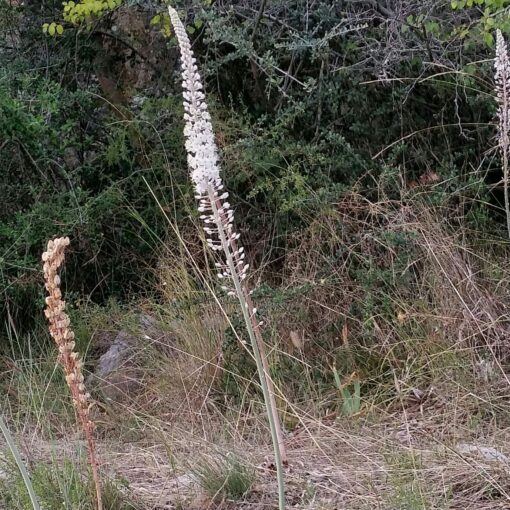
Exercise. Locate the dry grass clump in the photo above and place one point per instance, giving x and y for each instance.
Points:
(470, 304)
(61, 332)
(224, 476)
(183, 374)
(391, 290)
(184, 357)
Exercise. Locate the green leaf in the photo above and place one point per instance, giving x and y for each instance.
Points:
(156, 20)
(488, 38)
(60, 29)
(45, 28)
(51, 29)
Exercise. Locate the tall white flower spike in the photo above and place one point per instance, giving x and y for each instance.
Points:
(203, 160)
(502, 77)
(218, 218)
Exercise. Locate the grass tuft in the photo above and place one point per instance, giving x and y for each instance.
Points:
(224, 477)
(60, 486)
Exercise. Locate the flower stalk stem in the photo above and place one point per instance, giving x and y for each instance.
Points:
(257, 343)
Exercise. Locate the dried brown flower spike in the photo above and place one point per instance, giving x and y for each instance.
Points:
(63, 335)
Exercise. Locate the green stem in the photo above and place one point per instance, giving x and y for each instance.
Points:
(263, 376)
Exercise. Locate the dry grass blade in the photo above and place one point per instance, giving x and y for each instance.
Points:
(19, 461)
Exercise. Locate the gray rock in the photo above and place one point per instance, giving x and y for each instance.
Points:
(488, 453)
(185, 481)
(119, 372)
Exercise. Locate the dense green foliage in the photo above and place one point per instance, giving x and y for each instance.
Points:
(307, 103)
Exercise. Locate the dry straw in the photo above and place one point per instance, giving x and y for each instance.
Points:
(218, 218)
(60, 330)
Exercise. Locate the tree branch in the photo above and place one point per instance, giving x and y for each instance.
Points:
(375, 5)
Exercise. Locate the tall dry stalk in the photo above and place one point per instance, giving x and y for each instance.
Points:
(218, 218)
(59, 326)
(502, 77)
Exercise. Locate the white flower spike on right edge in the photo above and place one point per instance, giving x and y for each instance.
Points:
(502, 78)
(218, 218)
